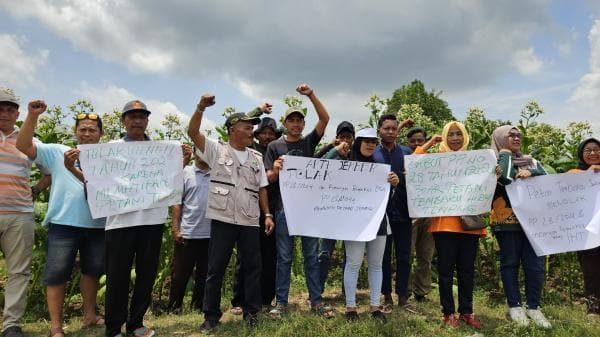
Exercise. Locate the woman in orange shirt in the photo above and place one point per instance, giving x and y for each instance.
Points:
(456, 247)
(588, 155)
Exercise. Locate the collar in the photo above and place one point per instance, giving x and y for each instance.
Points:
(127, 139)
(396, 146)
(13, 133)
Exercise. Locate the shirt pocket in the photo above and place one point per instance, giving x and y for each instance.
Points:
(219, 198)
(251, 209)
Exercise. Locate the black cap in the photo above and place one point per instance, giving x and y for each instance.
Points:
(134, 106)
(267, 122)
(345, 126)
(240, 116)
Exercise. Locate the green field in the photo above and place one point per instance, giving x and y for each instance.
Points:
(567, 320)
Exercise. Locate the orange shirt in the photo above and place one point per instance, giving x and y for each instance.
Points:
(449, 223)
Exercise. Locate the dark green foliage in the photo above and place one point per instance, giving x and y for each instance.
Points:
(415, 93)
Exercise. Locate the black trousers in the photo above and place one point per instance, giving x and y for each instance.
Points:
(268, 254)
(223, 237)
(590, 266)
(401, 239)
(456, 251)
(187, 255)
(124, 246)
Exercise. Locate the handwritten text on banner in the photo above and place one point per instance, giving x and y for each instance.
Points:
(334, 199)
(554, 210)
(128, 176)
(452, 183)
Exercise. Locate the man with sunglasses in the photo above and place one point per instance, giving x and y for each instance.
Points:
(71, 227)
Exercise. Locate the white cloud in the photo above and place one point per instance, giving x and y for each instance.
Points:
(585, 99)
(18, 67)
(110, 97)
(339, 46)
(101, 28)
(253, 91)
(526, 62)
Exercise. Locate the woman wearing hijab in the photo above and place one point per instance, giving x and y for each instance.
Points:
(456, 247)
(588, 155)
(515, 249)
(362, 150)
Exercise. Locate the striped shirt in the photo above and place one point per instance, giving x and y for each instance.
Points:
(15, 168)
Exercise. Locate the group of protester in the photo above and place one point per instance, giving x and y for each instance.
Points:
(231, 199)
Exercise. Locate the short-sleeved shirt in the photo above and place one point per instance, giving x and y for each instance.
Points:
(194, 224)
(15, 169)
(213, 150)
(305, 147)
(67, 204)
(149, 216)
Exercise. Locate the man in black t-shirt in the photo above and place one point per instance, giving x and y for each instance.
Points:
(293, 144)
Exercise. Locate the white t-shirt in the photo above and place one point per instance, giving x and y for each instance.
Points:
(211, 154)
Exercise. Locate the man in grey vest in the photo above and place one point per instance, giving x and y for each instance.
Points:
(237, 189)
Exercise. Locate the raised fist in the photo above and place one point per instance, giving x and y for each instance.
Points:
(206, 101)
(36, 107)
(436, 139)
(304, 89)
(343, 148)
(407, 123)
(266, 107)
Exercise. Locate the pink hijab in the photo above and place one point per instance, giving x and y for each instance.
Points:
(500, 141)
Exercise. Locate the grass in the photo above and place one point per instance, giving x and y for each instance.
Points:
(569, 320)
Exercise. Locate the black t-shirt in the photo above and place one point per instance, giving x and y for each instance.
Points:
(305, 147)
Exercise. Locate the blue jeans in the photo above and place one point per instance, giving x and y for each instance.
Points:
(63, 244)
(401, 237)
(515, 250)
(285, 252)
(355, 252)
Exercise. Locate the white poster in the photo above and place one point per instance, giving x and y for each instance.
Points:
(334, 199)
(129, 176)
(451, 183)
(554, 210)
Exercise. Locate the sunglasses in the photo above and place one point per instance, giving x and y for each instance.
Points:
(86, 116)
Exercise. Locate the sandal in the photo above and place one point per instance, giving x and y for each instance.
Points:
(323, 310)
(386, 309)
(278, 310)
(236, 311)
(96, 323)
(55, 331)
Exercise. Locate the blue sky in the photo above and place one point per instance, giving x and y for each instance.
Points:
(495, 55)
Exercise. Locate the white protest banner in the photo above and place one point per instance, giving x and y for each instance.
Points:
(594, 225)
(554, 210)
(451, 183)
(334, 199)
(129, 176)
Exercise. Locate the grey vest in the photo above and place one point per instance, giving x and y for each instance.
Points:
(233, 188)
